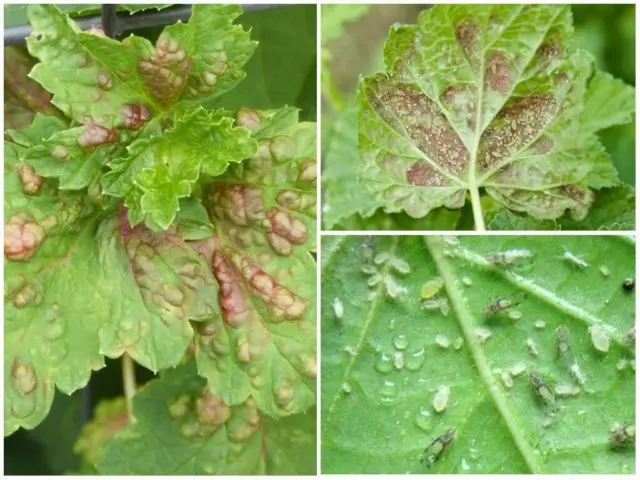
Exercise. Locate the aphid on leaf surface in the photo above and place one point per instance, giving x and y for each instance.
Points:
(564, 347)
(437, 448)
(543, 391)
(501, 304)
(338, 308)
(508, 257)
(629, 284)
(630, 337)
(574, 259)
(622, 435)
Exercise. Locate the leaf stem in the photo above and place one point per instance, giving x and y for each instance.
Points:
(129, 383)
(476, 206)
(435, 245)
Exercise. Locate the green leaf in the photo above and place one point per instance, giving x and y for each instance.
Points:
(390, 342)
(488, 97)
(182, 428)
(163, 285)
(614, 209)
(50, 336)
(96, 79)
(110, 416)
(263, 211)
(217, 48)
(160, 170)
(283, 69)
(343, 196)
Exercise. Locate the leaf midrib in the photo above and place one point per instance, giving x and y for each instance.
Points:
(436, 249)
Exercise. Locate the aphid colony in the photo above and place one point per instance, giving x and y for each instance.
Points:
(388, 263)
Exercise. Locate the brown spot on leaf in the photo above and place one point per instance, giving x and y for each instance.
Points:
(134, 115)
(242, 204)
(104, 80)
(24, 377)
(210, 409)
(94, 135)
(248, 118)
(518, 125)
(307, 171)
(421, 173)
(498, 73)
(426, 125)
(29, 181)
(543, 145)
(22, 237)
(466, 33)
(165, 71)
(232, 299)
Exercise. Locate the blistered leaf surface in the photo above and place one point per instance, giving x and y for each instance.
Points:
(158, 171)
(492, 97)
(183, 428)
(476, 340)
(263, 212)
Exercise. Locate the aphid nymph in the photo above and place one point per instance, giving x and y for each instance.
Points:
(574, 259)
(622, 435)
(564, 347)
(543, 391)
(434, 451)
(501, 304)
(508, 257)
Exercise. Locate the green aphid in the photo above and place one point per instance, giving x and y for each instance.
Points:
(564, 346)
(543, 391)
(501, 304)
(622, 435)
(509, 257)
(437, 448)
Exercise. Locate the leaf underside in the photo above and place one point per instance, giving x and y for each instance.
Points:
(493, 98)
(384, 360)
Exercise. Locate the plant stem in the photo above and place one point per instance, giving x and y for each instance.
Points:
(129, 382)
(478, 219)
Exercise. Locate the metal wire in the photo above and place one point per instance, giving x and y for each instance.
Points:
(124, 22)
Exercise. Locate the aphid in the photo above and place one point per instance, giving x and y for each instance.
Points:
(369, 269)
(467, 282)
(628, 284)
(577, 374)
(506, 379)
(346, 388)
(400, 265)
(442, 341)
(518, 369)
(564, 347)
(441, 399)
(622, 435)
(338, 308)
(574, 259)
(604, 270)
(532, 346)
(565, 390)
(542, 390)
(351, 350)
(501, 304)
(458, 343)
(540, 324)
(630, 337)
(437, 448)
(441, 304)
(431, 288)
(374, 279)
(515, 315)
(382, 257)
(482, 334)
(393, 289)
(599, 338)
(508, 257)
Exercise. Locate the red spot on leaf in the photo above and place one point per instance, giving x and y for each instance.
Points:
(94, 135)
(498, 74)
(134, 115)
